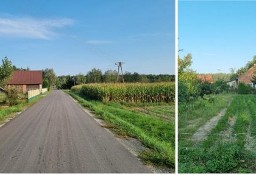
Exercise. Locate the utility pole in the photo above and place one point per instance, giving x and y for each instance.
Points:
(119, 66)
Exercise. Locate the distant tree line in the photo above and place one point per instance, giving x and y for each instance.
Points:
(109, 76)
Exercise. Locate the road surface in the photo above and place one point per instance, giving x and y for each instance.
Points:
(56, 136)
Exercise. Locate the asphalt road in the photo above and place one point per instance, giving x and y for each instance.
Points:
(56, 136)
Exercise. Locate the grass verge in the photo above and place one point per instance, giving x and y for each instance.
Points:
(156, 134)
(6, 112)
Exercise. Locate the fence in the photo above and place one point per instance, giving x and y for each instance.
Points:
(33, 93)
(44, 90)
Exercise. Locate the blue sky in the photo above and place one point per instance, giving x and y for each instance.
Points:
(74, 36)
(219, 34)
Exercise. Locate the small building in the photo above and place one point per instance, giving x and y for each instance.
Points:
(247, 77)
(24, 81)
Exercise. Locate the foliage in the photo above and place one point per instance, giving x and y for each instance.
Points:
(220, 86)
(12, 96)
(45, 83)
(110, 76)
(130, 92)
(189, 85)
(221, 76)
(244, 89)
(206, 88)
(80, 79)
(49, 75)
(6, 70)
(95, 76)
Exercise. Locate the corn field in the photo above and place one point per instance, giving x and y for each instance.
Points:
(128, 92)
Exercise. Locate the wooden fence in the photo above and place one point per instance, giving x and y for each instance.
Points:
(33, 93)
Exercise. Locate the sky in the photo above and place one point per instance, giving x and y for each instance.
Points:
(74, 36)
(220, 35)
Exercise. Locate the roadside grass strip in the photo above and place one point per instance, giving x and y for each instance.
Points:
(153, 133)
(8, 111)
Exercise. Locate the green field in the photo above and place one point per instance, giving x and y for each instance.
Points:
(229, 147)
(151, 123)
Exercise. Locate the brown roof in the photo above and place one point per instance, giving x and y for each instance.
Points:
(247, 77)
(205, 78)
(26, 77)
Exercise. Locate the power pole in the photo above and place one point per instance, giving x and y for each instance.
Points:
(120, 68)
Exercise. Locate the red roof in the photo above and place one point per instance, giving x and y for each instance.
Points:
(247, 76)
(26, 77)
(205, 78)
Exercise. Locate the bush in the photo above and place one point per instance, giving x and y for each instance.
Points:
(206, 89)
(220, 86)
(244, 89)
(12, 96)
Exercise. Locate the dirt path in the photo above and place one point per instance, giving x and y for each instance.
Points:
(202, 132)
(57, 136)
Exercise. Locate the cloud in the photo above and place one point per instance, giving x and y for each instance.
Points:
(99, 42)
(31, 27)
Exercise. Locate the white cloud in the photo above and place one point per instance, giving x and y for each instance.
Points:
(31, 27)
(98, 42)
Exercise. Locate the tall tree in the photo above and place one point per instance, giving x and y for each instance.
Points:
(94, 76)
(189, 86)
(110, 76)
(6, 70)
(49, 75)
(80, 79)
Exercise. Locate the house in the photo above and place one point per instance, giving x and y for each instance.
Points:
(205, 78)
(246, 78)
(24, 81)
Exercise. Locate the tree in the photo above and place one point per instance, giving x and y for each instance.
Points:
(110, 76)
(94, 76)
(6, 70)
(49, 75)
(185, 63)
(189, 86)
(80, 79)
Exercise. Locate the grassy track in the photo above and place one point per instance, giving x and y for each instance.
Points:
(226, 148)
(155, 133)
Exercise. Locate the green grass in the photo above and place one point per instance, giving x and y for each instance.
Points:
(224, 149)
(196, 113)
(7, 111)
(154, 132)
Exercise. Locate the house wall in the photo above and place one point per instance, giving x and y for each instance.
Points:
(25, 88)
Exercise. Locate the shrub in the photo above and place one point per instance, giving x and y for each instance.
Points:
(12, 96)
(244, 89)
